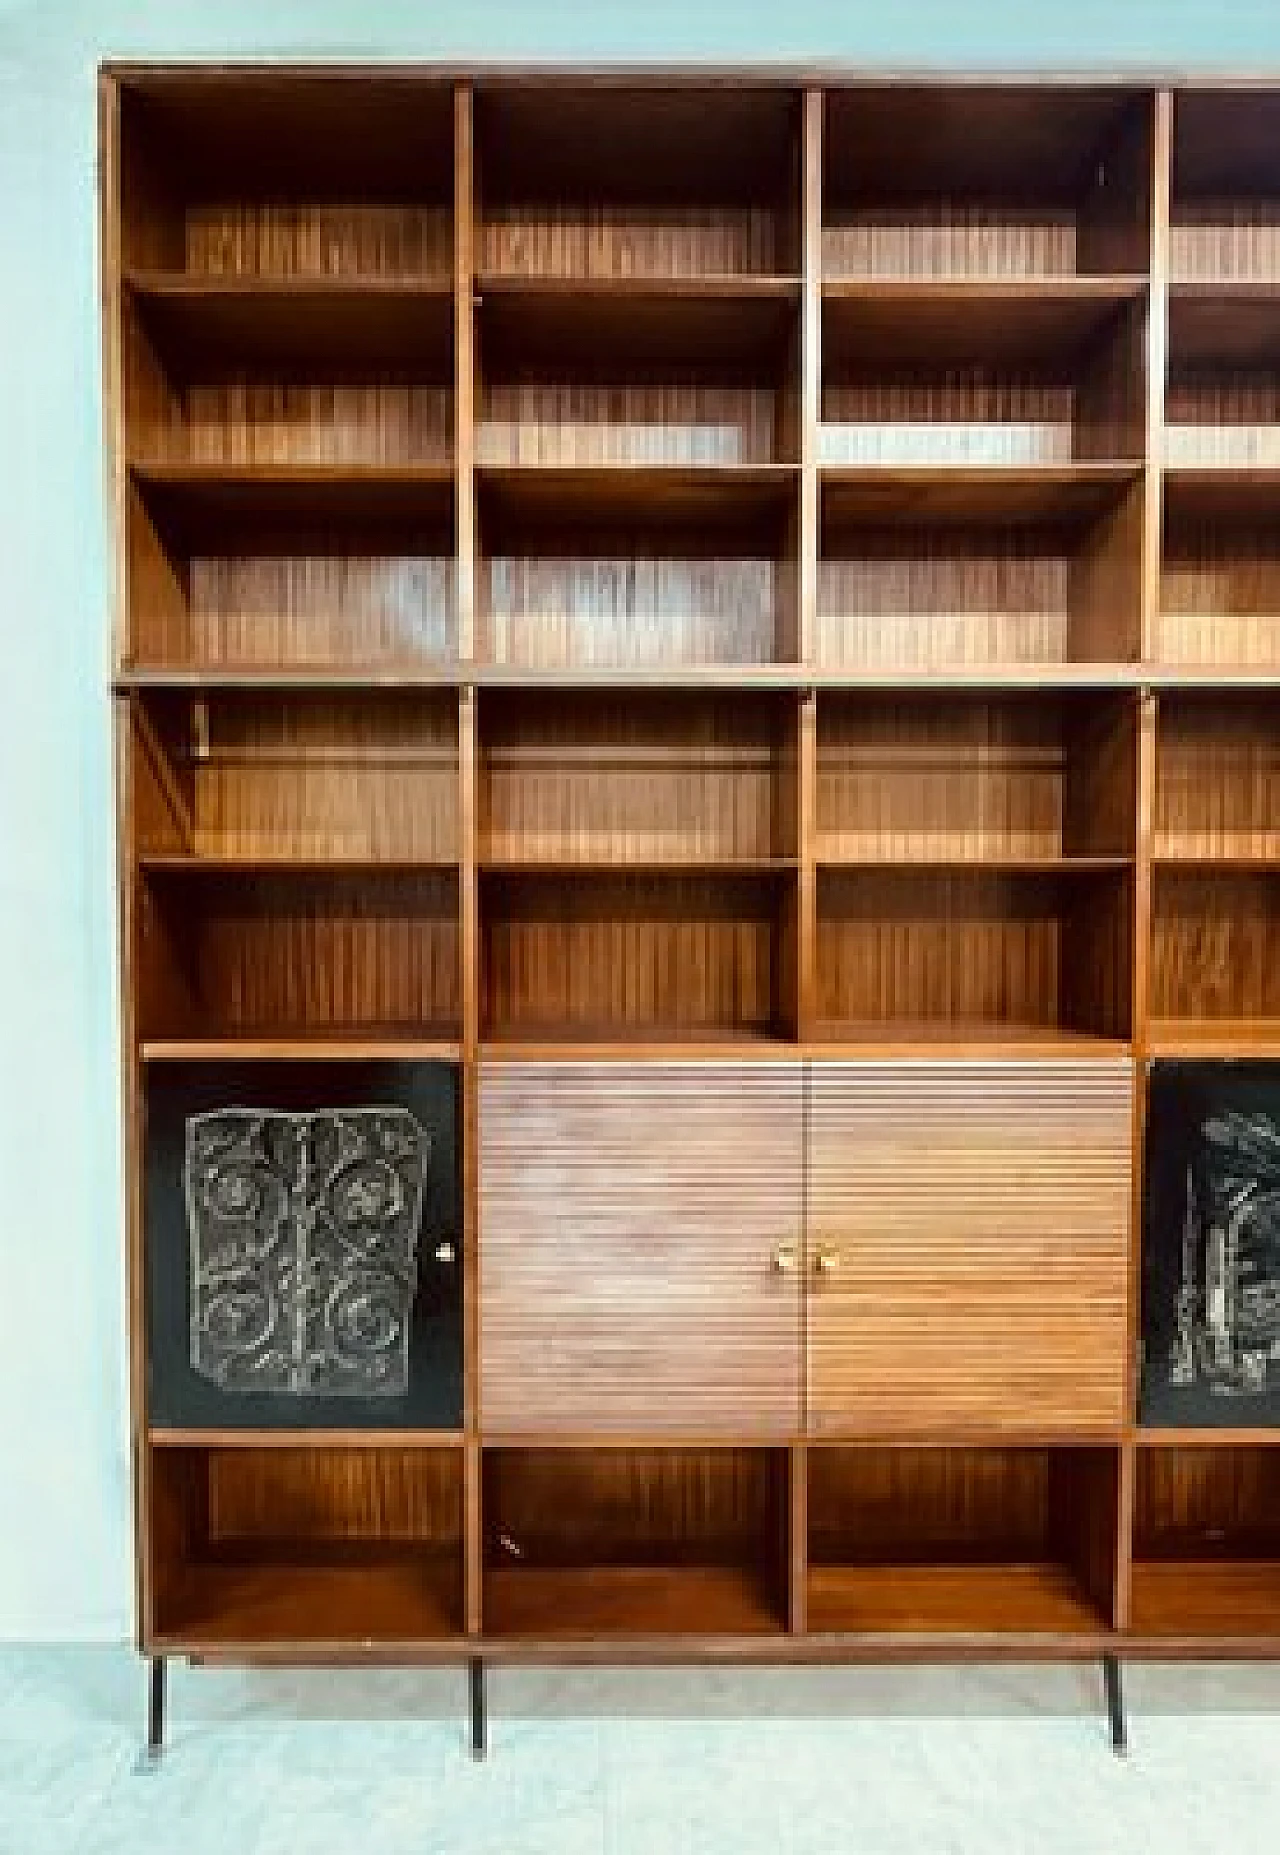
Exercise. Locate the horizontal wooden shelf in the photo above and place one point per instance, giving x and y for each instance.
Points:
(1066, 864)
(630, 321)
(627, 1042)
(369, 678)
(929, 1038)
(742, 677)
(571, 865)
(365, 1595)
(1220, 322)
(1006, 322)
(247, 863)
(1212, 677)
(1246, 861)
(645, 493)
(1018, 1434)
(672, 286)
(1214, 1037)
(1032, 678)
(884, 495)
(375, 320)
(200, 498)
(365, 1437)
(1227, 1600)
(324, 1047)
(1224, 1436)
(627, 1601)
(949, 1600)
(1229, 492)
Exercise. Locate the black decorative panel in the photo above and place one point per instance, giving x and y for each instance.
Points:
(1211, 1246)
(304, 1245)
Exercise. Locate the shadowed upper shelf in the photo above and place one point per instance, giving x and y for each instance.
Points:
(888, 494)
(296, 319)
(1007, 322)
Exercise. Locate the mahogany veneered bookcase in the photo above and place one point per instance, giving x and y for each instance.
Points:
(729, 622)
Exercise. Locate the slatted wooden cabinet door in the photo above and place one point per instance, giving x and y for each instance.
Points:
(641, 1247)
(968, 1245)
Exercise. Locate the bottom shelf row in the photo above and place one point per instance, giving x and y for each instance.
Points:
(357, 1548)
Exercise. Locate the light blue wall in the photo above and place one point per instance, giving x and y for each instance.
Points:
(64, 1551)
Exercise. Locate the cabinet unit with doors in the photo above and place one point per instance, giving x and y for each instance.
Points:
(695, 696)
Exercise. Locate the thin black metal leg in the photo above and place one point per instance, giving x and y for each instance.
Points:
(475, 1673)
(1115, 1704)
(155, 1713)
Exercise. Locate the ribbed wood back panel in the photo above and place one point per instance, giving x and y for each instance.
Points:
(673, 418)
(996, 1193)
(917, 946)
(1223, 419)
(873, 1504)
(341, 418)
(649, 776)
(966, 417)
(288, 601)
(266, 238)
(920, 598)
(1219, 594)
(285, 952)
(1218, 778)
(335, 1494)
(931, 779)
(630, 1506)
(1225, 241)
(630, 599)
(614, 239)
(944, 238)
(329, 778)
(629, 1217)
(1213, 1499)
(1215, 944)
(609, 954)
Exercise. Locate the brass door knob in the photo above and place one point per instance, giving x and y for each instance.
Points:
(785, 1259)
(826, 1260)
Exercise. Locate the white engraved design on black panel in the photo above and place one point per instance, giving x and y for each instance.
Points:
(304, 1248)
(1228, 1312)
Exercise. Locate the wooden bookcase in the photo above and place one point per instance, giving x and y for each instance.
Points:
(738, 615)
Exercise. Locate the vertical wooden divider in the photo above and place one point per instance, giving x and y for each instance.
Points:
(807, 763)
(464, 216)
(110, 208)
(1144, 794)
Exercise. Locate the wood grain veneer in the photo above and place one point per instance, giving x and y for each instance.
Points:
(688, 780)
(932, 1542)
(901, 944)
(644, 953)
(998, 1191)
(971, 779)
(1220, 595)
(633, 1218)
(732, 608)
(275, 953)
(1207, 1542)
(308, 777)
(1216, 780)
(338, 1546)
(616, 1543)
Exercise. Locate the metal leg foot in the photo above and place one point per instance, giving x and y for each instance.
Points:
(150, 1755)
(475, 1674)
(1115, 1705)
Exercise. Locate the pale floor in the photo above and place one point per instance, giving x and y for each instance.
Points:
(872, 1761)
